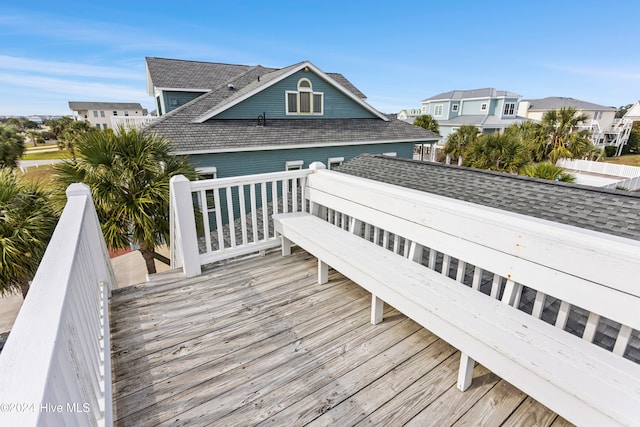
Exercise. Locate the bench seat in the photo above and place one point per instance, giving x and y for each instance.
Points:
(578, 380)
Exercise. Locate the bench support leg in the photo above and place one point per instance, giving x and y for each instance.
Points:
(465, 374)
(286, 246)
(323, 272)
(377, 308)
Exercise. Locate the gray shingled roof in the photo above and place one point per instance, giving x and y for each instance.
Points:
(182, 74)
(488, 92)
(81, 106)
(231, 135)
(608, 211)
(557, 102)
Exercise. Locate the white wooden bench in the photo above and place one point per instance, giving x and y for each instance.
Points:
(584, 383)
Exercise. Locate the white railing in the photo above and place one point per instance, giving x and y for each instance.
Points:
(601, 168)
(632, 184)
(130, 122)
(55, 368)
(232, 215)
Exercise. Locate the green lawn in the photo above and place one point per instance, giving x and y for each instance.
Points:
(629, 159)
(41, 174)
(46, 155)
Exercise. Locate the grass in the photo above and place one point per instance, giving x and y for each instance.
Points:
(629, 159)
(46, 155)
(41, 174)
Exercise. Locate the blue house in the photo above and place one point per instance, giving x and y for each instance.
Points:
(235, 120)
(488, 109)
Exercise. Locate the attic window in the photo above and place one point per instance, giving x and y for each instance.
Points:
(304, 100)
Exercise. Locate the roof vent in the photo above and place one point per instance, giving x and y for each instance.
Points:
(231, 87)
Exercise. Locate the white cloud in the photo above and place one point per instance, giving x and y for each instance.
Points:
(65, 68)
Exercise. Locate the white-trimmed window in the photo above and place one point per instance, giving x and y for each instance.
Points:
(101, 113)
(304, 100)
(455, 107)
(437, 110)
(209, 172)
(293, 165)
(126, 113)
(95, 113)
(98, 125)
(509, 109)
(483, 106)
(332, 162)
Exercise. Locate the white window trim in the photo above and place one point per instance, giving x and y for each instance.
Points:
(435, 110)
(293, 165)
(504, 109)
(336, 161)
(483, 106)
(297, 94)
(209, 170)
(455, 107)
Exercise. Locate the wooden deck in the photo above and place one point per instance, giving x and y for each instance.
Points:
(258, 342)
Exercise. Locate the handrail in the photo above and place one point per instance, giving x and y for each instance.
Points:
(233, 215)
(55, 368)
(603, 168)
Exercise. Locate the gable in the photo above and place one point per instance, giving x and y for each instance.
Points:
(273, 101)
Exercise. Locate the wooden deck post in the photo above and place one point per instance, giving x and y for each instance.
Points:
(182, 206)
(323, 272)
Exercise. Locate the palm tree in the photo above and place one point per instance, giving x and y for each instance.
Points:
(26, 225)
(128, 174)
(498, 152)
(547, 170)
(11, 147)
(427, 122)
(73, 133)
(460, 140)
(562, 138)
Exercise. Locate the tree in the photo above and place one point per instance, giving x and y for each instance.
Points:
(11, 147)
(460, 140)
(128, 174)
(498, 152)
(26, 225)
(547, 170)
(427, 122)
(35, 137)
(561, 136)
(73, 133)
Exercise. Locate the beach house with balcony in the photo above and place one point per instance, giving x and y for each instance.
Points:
(105, 115)
(488, 109)
(234, 119)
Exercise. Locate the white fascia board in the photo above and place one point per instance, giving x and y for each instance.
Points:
(180, 89)
(294, 146)
(212, 113)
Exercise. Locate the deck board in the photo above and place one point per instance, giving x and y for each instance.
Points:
(257, 341)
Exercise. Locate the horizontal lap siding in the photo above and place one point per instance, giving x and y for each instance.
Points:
(271, 101)
(252, 162)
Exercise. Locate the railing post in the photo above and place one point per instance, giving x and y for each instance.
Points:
(314, 209)
(181, 207)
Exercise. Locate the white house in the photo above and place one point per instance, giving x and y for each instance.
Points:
(101, 114)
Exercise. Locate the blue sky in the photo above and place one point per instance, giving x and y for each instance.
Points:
(396, 53)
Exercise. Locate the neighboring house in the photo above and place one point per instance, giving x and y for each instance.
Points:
(633, 113)
(252, 119)
(100, 114)
(605, 129)
(408, 115)
(488, 109)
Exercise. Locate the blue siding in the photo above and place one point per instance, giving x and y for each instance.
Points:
(173, 100)
(473, 107)
(252, 162)
(272, 102)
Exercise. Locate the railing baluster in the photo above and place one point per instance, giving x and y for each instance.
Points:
(538, 305)
(460, 271)
(232, 231)
(205, 219)
(445, 264)
(622, 340)
(563, 315)
(243, 215)
(432, 259)
(294, 195)
(591, 327)
(495, 285)
(477, 278)
(254, 212)
(265, 210)
(285, 195)
(219, 229)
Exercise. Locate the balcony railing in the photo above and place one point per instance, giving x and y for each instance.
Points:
(130, 122)
(55, 368)
(217, 219)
